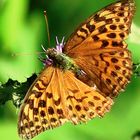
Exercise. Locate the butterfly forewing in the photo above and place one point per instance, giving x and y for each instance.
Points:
(30, 113)
(110, 18)
(98, 47)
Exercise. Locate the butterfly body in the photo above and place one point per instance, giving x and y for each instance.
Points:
(61, 60)
(83, 76)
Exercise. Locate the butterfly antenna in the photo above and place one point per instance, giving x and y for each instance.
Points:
(48, 33)
(19, 54)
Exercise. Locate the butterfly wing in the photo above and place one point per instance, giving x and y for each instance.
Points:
(42, 106)
(98, 47)
(84, 102)
(57, 97)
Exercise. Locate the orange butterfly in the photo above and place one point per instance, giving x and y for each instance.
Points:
(81, 78)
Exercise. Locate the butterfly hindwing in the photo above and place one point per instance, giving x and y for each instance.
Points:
(84, 102)
(98, 47)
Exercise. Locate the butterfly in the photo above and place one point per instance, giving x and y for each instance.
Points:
(81, 77)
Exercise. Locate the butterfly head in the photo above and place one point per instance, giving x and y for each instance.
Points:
(52, 53)
(55, 57)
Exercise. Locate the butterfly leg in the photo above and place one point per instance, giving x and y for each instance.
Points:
(46, 62)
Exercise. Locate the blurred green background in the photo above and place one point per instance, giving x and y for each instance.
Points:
(23, 30)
